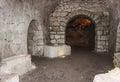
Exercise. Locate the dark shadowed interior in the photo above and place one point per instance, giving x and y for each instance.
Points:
(80, 32)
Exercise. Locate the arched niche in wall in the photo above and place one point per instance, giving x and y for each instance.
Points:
(65, 11)
(35, 39)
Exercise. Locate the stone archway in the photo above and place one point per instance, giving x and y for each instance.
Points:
(80, 32)
(65, 11)
(35, 39)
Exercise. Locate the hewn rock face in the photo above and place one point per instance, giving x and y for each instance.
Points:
(16, 15)
(117, 60)
(15, 18)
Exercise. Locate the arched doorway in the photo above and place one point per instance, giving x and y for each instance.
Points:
(63, 14)
(80, 32)
(35, 39)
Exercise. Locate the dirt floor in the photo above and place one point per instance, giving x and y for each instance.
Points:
(81, 66)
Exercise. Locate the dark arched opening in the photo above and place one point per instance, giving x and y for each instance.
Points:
(80, 32)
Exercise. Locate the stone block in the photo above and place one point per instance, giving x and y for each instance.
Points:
(55, 23)
(95, 17)
(37, 50)
(106, 13)
(62, 28)
(67, 10)
(31, 42)
(111, 76)
(52, 36)
(100, 47)
(107, 43)
(117, 60)
(118, 39)
(58, 14)
(60, 33)
(54, 14)
(104, 37)
(99, 33)
(52, 33)
(66, 6)
(63, 14)
(118, 48)
(98, 50)
(62, 8)
(101, 42)
(105, 23)
(60, 41)
(53, 19)
(62, 36)
(76, 6)
(105, 32)
(9, 78)
(39, 37)
(97, 21)
(39, 42)
(99, 38)
(63, 23)
(17, 64)
(57, 51)
(53, 41)
(57, 36)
